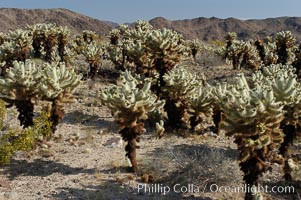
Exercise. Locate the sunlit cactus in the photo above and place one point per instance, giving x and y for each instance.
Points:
(141, 29)
(230, 37)
(194, 47)
(57, 86)
(271, 56)
(252, 117)
(89, 36)
(200, 105)
(17, 47)
(297, 62)
(27, 82)
(48, 38)
(138, 53)
(44, 39)
(19, 87)
(167, 48)
(116, 54)
(63, 34)
(286, 46)
(179, 85)
(250, 57)
(114, 36)
(233, 49)
(93, 54)
(287, 90)
(3, 38)
(130, 106)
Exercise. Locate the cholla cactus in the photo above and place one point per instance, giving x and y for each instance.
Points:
(253, 117)
(19, 86)
(271, 56)
(297, 62)
(3, 38)
(167, 49)
(44, 38)
(17, 47)
(250, 58)
(114, 36)
(89, 36)
(116, 54)
(130, 105)
(233, 50)
(93, 54)
(286, 46)
(287, 90)
(230, 37)
(57, 86)
(200, 105)
(138, 53)
(26, 82)
(63, 34)
(179, 85)
(48, 38)
(194, 46)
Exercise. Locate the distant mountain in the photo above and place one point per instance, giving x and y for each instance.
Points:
(12, 18)
(202, 28)
(215, 28)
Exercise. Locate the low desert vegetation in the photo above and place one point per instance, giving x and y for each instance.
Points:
(258, 107)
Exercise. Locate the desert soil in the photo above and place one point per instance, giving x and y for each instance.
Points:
(86, 160)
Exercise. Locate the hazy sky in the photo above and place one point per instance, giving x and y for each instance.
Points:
(121, 11)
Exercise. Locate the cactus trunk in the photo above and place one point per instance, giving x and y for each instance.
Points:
(57, 114)
(49, 45)
(252, 169)
(131, 136)
(175, 114)
(36, 44)
(25, 109)
(194, 121)
(217, 118)
(93, 70)
(289, 135)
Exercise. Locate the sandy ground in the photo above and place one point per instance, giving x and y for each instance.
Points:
(86, 161)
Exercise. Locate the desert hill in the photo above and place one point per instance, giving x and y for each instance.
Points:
(12, 18)
(202, 28)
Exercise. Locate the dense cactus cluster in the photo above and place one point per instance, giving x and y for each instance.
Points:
(261, 110)
(26, 82)
(241, 54)
(16, 46)
(151, 50)
(282, 48)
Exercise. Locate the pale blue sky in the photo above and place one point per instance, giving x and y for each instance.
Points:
(121, 11)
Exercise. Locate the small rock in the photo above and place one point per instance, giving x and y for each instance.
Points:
(11, 195)
(88, 151)
(114, 142)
